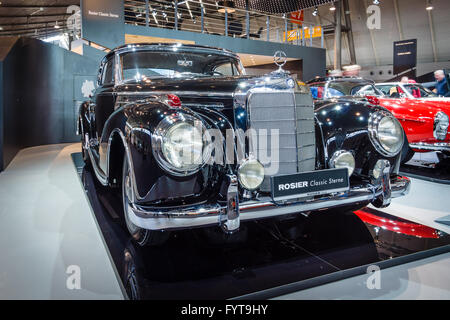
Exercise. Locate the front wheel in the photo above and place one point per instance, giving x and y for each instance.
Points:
(141, 236)
(407, 152)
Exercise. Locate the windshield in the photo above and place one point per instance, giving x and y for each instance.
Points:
(412, 90)
(344, 88)
(141, 65)
(419, 91)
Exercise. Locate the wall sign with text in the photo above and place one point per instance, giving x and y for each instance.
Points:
(405, 56)
(103, 22)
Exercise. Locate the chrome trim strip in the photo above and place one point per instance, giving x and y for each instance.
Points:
(181, 93)
(101, 177)
(265, 208)
(438, 146)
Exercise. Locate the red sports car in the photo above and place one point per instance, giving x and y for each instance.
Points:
(423, 115)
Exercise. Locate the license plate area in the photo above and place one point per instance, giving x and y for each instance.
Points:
(312, 183)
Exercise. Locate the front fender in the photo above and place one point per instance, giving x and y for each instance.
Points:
(135, 124)
(344, 126)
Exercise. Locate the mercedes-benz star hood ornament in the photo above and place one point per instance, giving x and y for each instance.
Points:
(280, 60)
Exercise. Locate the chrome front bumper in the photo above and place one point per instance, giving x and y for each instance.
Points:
(229, 216)
(438, 146)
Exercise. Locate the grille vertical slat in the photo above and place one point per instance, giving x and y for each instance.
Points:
(293, 115)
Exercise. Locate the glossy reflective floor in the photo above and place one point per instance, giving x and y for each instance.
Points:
(48, 230)
(203, 263)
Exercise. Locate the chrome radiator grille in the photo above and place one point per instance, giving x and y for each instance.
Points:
(293, 116)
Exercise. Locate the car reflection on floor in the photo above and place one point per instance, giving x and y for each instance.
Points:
(205, 263)
(428, 166)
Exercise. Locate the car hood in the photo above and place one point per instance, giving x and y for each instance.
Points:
(211, 85)
(416, 109)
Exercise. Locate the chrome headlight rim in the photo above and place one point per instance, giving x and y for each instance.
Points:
(438, 118)
(242, 166)
(161, 130)
(374, 121)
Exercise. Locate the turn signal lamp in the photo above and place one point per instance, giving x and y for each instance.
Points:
(173, 100)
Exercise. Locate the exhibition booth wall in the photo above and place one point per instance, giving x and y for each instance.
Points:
(40, 94)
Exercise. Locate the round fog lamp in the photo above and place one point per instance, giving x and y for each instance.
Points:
(377, 170)
(251, 174)
(343, 159)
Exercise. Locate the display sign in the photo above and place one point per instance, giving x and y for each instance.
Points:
(103, 22)
(297, 17)
(405, 57)
(309, 183)
(294, 35)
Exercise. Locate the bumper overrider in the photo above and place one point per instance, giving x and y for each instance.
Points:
(229, 216)
(438, 146)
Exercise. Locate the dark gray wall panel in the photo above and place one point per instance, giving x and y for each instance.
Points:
(40, 103)
(1, 115)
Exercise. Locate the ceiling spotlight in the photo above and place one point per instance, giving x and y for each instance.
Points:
(332, 8)
(376, 1)
(1, 28)
(315, 12)
(429, 6)
(57, 25)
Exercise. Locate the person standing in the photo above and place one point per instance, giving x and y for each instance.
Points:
(404, 80)
(441, 83)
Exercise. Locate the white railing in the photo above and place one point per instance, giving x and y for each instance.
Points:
(206, 16)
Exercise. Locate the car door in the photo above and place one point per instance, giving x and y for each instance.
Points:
(104, 106)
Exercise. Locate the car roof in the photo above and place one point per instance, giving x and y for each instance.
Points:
(159, 45)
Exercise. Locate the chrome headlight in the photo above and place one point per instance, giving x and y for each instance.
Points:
(441, 123)
(343, 159)
(178, 144)
(386, 133)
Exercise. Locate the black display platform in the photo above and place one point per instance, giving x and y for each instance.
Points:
(429, 171)
(263, 260)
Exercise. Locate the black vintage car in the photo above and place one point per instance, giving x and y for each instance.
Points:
(351, 88)
(191, 141)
